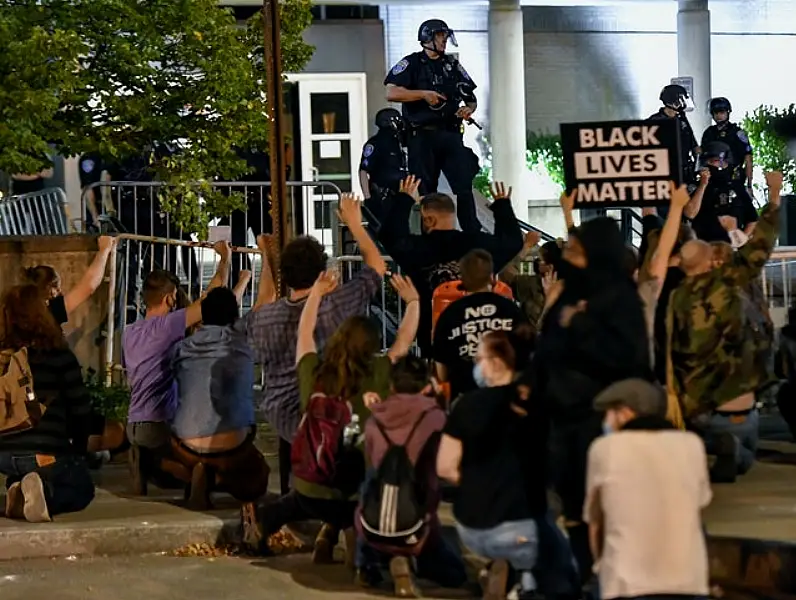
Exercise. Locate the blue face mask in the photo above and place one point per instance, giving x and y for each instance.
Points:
(478, 376)
(607, 429)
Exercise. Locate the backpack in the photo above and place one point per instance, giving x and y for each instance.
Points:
(20, 410)
(391, 511)
(449, 292)
(318, 454)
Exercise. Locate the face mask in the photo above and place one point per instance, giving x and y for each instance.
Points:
(718, 175)
(607, 429)
(478, 376)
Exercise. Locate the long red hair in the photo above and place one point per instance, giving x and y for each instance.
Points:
(26, 320)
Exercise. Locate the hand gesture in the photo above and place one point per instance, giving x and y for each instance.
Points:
(244, 276)
(548, 281)
(410, 186)
(223, 249)
(370, 398)
(678, 195)
(433, 98)
(107, 243)
(498, 190)
(264, 241)
(729, 223)
(325, 284)
(465, 112)
(405, 288)
(350, 209)
(774, 181)
(704, 178)
(568, 201)
(570, 311)
(531, 239)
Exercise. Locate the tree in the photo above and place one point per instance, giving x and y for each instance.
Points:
(770, 150)
(120, 76)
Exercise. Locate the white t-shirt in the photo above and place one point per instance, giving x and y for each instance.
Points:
(650, 488)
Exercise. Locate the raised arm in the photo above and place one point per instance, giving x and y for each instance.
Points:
(350, 213)
(92, 278)
(326, 283)
(407, 330)
(691, 209)
(506, 241)
(671, 230)
(240, 287)
(193, 314)
(567, 207)
(266, 291)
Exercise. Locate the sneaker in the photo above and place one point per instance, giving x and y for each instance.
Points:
(35, 507)
(323, 551)
(403, 578)
(494, 579)
(15, 502)
(725, 469)
(252, 536)
(199, 496)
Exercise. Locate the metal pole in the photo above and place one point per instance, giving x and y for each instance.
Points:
(279, 193)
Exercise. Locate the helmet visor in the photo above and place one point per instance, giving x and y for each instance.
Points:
(448, 34)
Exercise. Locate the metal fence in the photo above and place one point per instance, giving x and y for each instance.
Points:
(37, 213)
(134, 207)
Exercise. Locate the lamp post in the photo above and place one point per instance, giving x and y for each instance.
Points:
(280, 203)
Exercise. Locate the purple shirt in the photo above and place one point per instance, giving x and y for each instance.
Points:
(273, 334)
(147, 350)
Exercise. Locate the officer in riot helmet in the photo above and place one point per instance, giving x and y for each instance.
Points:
(437, 95)
(723, 196)
(383, 164)
(675, 100)
(731, 134)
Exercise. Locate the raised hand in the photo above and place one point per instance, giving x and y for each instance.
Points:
(350, 209)
(326, 283)
(107, 243)
(498, 191)
(678, 195)
(774, 181)
(531, 239)
(568, 200)
(223, 249)
(405, 288)
(410, 186)
(704, 178)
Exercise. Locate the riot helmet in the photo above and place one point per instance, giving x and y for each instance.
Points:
(391, 120)
(720, 105)
(427, 35)
(717, 158)
(675, 97)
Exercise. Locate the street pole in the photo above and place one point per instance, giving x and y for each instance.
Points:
(280, 202)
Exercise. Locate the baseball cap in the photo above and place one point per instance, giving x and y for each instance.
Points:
(642, 397)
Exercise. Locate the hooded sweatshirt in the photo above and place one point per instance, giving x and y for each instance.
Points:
(214, 369)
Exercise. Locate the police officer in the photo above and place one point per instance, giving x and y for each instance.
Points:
(732, 135)
(384, 163)
(431, 85)
(674, 99)
(723, 196)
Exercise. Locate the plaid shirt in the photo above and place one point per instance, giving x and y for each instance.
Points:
(273, 334)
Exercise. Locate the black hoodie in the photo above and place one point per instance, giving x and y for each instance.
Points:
(605, 343)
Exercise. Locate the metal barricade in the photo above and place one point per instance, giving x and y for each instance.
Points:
(136, 209)
(37, 213)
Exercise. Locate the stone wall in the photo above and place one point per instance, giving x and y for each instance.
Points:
(70, 256)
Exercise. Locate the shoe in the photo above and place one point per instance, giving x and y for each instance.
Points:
(517, 593)
(252, 536)
(403, 578)
(138, 476)
(350, 537)
(725, 469)
(494, 580)
(323, 551)
(15, 502)
(35, 507)
(199, 496)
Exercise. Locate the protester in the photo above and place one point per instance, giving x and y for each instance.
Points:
(409, 418)
(214, 426)
(494, 447)
(712, 349)
(464, 322)
(147, 350)
(432, 258)
(272, 325)
(647, 484)
(593, 334)
(45, 469)
(351, 365)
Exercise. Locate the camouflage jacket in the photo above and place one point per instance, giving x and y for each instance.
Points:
(714, 340)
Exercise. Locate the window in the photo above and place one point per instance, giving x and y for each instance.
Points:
(324, 12)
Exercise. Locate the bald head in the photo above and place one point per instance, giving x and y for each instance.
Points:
(696, 257)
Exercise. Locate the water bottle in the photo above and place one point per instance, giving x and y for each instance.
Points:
(352, 431)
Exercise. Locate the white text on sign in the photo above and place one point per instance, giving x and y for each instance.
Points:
(637, 136)
(622, 164)
(623, 191)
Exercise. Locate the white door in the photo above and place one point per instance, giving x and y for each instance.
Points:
(333, 129)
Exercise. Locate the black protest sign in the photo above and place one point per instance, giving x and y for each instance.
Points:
(621, 163)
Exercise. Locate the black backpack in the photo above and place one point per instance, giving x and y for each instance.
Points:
(391, 512)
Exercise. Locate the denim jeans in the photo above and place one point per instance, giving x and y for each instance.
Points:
(556, 568)
(514, 541)
(67, 482)
(744, 427)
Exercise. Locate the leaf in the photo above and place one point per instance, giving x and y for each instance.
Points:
(769, 150)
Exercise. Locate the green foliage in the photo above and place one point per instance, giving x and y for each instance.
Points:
(117, 76)
(544, 150)
(770, 150)
(483, 178)
(111, 402)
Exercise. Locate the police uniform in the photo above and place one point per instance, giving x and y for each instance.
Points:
(688, 144)
(435, 138)
(723, 200)
(384, 159)
(736, 138)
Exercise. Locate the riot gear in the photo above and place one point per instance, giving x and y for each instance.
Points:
(674, 97)
(720, 104)
(426, 34)
(716, 151)
(390, 119)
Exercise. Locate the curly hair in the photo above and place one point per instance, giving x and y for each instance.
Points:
(27, 322)
(348, 358)
(302, 261)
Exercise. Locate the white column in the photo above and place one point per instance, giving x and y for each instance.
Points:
(507, 100)
(693, 57)
(72, 187)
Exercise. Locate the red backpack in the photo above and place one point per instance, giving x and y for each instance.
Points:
(318, 454)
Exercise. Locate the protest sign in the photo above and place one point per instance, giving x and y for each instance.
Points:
(621, 163)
